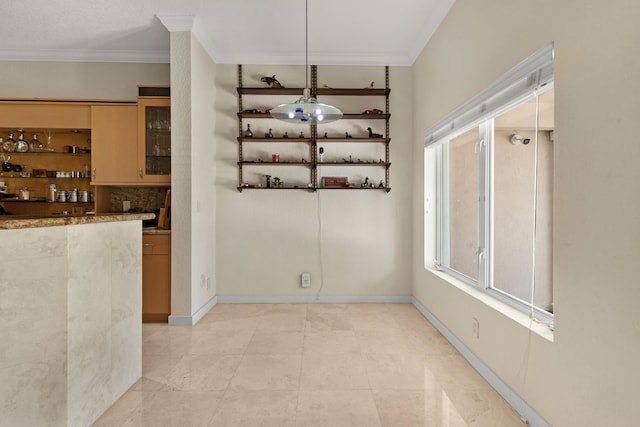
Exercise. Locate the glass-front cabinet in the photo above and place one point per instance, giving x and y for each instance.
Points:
(154, 156)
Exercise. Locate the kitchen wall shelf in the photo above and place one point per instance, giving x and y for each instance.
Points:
(314, 140)
(55, 125)
(13, 200)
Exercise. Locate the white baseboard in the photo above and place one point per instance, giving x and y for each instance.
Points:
(179, 320)
(299, 299)
(520, 405)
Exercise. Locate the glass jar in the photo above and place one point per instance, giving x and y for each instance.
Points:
(21, 146)
(9, 145)
(35, 145)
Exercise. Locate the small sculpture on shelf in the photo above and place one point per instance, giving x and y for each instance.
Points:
(373, 111)
(381, 185)
(301, 135)
(268, 134)
(277, 183)
(365, 184)
(346, 135)
(272, 82)
(321, 151)
(373, 135)
(285, 135)
(268, 179)
(248, 133)
(251, 110)
(325, 135)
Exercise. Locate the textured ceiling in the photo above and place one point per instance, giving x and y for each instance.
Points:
(341, 32)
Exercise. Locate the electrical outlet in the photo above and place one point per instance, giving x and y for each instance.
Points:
(126, 205)
(476, 328)
(305, 280)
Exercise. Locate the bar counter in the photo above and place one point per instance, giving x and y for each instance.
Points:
(71, 316)
(12, 222)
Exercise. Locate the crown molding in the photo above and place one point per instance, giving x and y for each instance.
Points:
(176, 23)
(85, 55)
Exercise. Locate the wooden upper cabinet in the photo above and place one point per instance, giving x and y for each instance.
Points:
(114, 145)
(45, 115)
(154, 140)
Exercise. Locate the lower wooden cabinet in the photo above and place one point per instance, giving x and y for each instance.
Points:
(156, 277)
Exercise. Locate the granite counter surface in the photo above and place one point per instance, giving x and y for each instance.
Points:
(12, 222)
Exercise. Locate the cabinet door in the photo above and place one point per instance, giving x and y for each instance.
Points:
(154, 150)
(156, 278)
(114, 134)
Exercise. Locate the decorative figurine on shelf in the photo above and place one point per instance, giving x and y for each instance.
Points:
(276, 182)
(301, 135)
(381, 161)
(325, 135)
(268, 134)
(381, 185)
(346, 135)
(370, 85)
(272, 81)
(365, 184)
(304, 160)
(251, 110)
(373, 111)
(268, 178)
(373, 135)
(248, 133)
(285, 135)
(321, 151)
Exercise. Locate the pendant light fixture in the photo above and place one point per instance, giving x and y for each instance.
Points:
(306, 110)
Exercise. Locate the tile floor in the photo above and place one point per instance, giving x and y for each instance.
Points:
(324, 365)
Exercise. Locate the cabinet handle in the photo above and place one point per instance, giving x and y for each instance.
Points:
(147, 244)
(94, 173)
(140, 172)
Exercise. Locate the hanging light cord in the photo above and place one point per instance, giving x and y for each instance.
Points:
(306, 44)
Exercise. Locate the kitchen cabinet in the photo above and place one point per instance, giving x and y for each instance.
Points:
(61, 157)
(357, 152)
(156, 277)
(114, 136)
(154, 139)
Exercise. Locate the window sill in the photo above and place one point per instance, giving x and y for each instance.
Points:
(512, 313)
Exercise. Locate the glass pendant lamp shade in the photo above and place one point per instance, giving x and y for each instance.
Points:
(306, 111)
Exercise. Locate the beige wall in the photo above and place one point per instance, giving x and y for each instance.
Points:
(78, 80)
(267, 238)
(588, 376)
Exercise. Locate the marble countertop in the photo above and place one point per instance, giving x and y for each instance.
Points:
(154, 230)
(12, 222)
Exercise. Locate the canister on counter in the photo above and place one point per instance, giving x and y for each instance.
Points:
(51, 194)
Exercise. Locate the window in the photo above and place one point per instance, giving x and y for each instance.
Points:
(489, 170)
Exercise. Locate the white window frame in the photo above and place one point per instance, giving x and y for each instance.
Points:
(531, 78)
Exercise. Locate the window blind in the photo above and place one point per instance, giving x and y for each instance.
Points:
(531, 76)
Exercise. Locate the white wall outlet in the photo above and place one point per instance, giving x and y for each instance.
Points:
(305, 280)
(476, 328)
(126, 205)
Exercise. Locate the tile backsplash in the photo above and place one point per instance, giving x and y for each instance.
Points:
(143, 199)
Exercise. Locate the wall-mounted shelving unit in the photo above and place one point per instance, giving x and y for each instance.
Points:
(312, 139)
